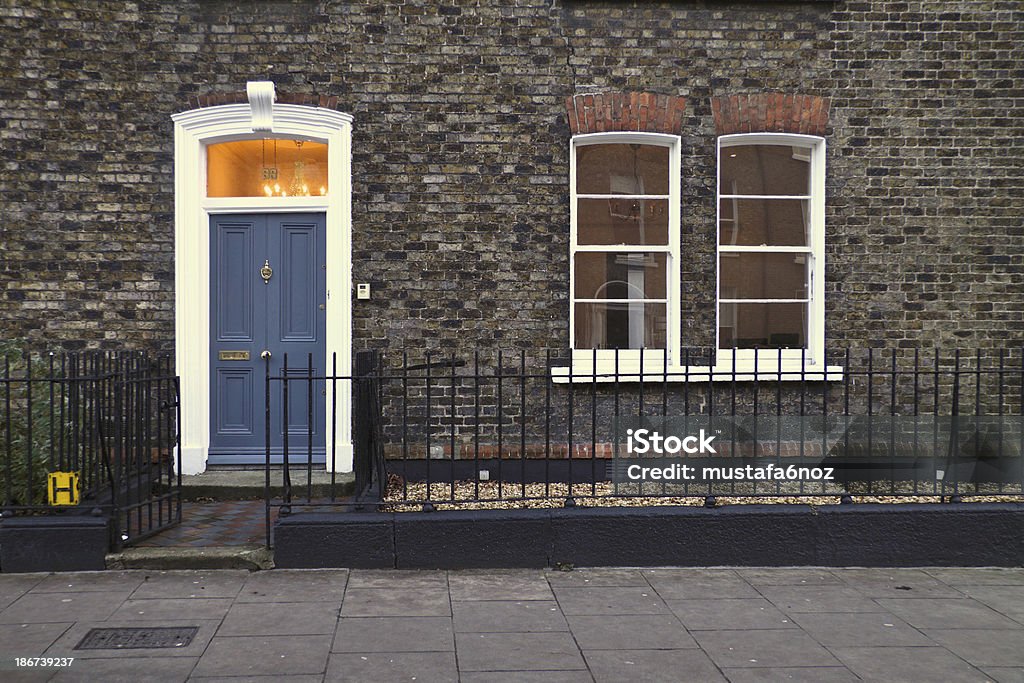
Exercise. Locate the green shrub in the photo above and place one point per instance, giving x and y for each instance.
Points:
(17, 444)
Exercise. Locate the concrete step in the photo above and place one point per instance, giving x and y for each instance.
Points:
(250, 484)
(251, 557)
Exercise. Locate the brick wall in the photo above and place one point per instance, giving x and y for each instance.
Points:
(460, 154)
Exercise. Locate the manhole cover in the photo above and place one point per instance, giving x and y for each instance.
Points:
(134, 638)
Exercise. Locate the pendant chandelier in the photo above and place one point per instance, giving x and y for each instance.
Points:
(270, 176)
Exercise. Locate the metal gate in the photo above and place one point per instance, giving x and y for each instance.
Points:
(106, 424)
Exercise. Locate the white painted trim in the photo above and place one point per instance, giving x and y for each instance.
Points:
(652, 357)
(814, 353)
(193, 131)
(584, 373)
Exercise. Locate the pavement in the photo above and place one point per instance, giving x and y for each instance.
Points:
(484, 626)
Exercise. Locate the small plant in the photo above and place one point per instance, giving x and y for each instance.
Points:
(33, 419)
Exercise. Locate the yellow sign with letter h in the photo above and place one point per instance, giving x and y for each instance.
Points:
(63, 488)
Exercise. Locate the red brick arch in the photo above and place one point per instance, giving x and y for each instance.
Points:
(625, 111)
(216, 99)
(771, 113)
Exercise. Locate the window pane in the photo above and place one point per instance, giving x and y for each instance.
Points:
(771, 222)
(763, 276)
(765, 169)
(621, 169)
(264, 168)
(619, 275)
(765, 326)
(622, 221)
(620, 326)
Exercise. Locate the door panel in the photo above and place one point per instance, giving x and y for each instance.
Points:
(233, 305)
(235, 402)
(298, 255)
(297, 243)
(283, 316)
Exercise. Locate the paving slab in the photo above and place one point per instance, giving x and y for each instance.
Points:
(380, 667)
(630, 632)
(206, 583)
(28, 640)
(310, 678)
(172, 609)
(599, 576)
(978, 576)
(527, 677)
(504, 616)
(158, 670)
(803, 674)
(785, 576)
(940, 613)
(87, 582)
(1007, 600)
(515, 651)
(610, 600)
(729, 613)
(1005, 674)
(499, 585)
(25, 675)
(860, 628)
(983, 647)
(263, 655)
(281, 618)
(397, 579)
(699, 584)
(764, 648)
(13, 586)
(294, 585)
(394, 634)
(652, 666)
(799, 599)
(909, 664)
(896, 583)
(399, 602)
(42, 608)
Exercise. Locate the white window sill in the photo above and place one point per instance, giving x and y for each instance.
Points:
(585, 373)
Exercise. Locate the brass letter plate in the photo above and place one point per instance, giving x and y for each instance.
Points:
(233, 355)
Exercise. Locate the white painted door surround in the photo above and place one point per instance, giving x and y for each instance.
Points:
(261, 117)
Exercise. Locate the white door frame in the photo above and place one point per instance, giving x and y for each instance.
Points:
(193, 131)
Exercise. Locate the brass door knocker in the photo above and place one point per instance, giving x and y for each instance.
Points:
(266, 272)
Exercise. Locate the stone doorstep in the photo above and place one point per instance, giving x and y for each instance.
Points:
(251, 557)
(248, 484)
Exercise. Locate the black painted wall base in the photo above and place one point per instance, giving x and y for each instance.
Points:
(969, 534)
(53, 544)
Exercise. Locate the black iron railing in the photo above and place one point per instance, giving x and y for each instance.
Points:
(110, 420)
(527, 428)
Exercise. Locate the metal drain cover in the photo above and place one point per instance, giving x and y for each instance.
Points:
(136, 638)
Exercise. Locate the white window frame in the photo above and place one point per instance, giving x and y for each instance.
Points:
(626, 360)
(812, 355)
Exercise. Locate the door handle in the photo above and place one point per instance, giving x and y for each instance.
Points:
(265, 354)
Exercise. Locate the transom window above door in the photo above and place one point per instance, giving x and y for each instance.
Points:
(274, 167)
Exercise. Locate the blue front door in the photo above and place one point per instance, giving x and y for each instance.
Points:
(267, 288)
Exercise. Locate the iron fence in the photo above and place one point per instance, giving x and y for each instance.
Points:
(524, 428)
(110, 419)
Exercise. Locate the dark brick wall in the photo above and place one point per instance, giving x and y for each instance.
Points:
(927, 196)
(460, 155)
